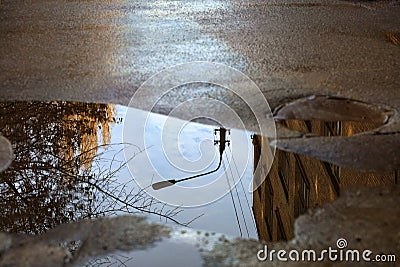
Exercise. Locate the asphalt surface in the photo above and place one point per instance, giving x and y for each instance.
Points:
(102, 51)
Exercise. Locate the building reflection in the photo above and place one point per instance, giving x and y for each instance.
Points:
(296, 183)
(54, 145)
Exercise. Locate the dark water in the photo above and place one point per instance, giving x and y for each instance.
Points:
(70, 165)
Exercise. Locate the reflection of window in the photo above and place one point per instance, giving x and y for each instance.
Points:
(269, 209)
(308, 125)
(333, 128)
(283, 167)
(302, 199)
(281, 229)
(333, 172)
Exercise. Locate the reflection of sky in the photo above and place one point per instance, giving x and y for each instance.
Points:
(178, 149)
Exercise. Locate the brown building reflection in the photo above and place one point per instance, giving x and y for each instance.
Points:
(54, 145)
(297, 182)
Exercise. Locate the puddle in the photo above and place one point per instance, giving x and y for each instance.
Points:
(331, 116)
(360, 125)
(393, 37)
(70, 164)
(302, 176)
(55, 145)
(163, 254)
(297, 183)
(329, 128)
(327, 108)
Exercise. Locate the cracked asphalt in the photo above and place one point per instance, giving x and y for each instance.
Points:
(102, 51)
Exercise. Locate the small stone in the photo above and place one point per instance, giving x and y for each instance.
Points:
(6, 153)
(5, 242)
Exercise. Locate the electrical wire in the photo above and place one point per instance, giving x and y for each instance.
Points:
(237, 195)
(233, 201)
(245, 193)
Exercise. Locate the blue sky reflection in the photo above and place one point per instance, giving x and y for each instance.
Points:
(177, 149)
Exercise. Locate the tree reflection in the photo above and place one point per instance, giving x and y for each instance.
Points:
(58, 174)
(52, 142)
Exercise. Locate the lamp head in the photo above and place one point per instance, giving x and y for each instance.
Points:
(163, 184)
